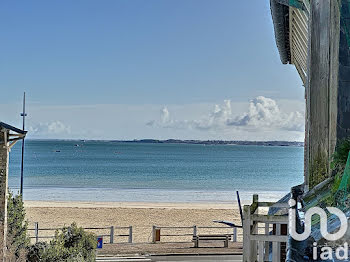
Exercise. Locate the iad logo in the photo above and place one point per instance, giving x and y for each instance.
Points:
(323, 223)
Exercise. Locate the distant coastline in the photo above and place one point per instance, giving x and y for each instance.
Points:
(219, 142)
(193, 142)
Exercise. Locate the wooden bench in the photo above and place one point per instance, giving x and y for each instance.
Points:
(224, 238)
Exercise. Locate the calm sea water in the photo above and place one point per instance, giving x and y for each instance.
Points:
(113, 171)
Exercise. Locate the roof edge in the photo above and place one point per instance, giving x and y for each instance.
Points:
(12, 128)
(280, 18)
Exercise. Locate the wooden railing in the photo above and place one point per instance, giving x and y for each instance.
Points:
(257, 239)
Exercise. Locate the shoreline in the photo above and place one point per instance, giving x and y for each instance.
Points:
(133, 197)
(137, 205)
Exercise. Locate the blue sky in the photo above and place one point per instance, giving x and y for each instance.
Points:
(130, 61)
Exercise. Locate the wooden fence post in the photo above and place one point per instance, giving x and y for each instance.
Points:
(111, 238)
(154, 234)
(267, 244)
(254, 230)
(36, 231)
(261, 251)
(275, 257)
(278, 233)
(255, 199)
(130, 234)
(246, 234)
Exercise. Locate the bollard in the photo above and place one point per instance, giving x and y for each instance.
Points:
(234, 234)
(130, 234)
(111, 236)
(154, 234)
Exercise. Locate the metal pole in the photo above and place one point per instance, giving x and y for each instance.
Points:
(36, 229)
(23, 114)
(130, 234)
(234, 235)
(111, 236)
(240, 206)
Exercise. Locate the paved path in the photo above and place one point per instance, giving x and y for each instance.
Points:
(123, 259)
(160, 249)
(185, 252)
(198, 258)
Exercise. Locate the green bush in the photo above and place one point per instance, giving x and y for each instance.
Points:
(318, 170)
(340, 156)
(70, 244)
(17, 239)
(36, 252)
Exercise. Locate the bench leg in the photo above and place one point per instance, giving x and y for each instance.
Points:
(196, 242)
(226, 242)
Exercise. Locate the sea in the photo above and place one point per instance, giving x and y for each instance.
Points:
(153, 172)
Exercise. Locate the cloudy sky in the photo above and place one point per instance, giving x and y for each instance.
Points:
(126, 69)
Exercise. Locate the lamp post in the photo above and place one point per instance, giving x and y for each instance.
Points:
(23, 115)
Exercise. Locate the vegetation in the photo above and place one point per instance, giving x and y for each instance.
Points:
(338, 189)
(340, 156)
(318, 170)
(17, 239)
(336, 183)
(71, 244)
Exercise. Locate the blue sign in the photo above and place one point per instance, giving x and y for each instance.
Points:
(99, 242)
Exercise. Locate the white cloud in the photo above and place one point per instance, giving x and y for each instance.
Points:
(165, 116)
(265, 113)
(165, 121)
(183, 121)
(217, 119)
(49, 129)
(262, 114)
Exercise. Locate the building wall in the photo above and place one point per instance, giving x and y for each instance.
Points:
(4, 153)
(343, 120)
(325, 74)
(321, 91)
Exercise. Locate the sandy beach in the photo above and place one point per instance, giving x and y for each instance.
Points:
(141, 216)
